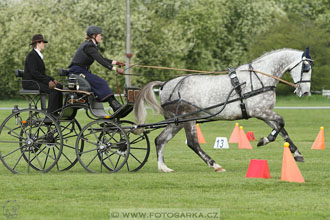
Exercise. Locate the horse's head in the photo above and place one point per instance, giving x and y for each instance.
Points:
(301, 73)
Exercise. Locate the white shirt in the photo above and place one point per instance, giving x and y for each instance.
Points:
(40, 54)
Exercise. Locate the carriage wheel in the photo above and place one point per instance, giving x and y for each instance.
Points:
(30, 138)
(106, 145)
(70, 130)
(139, 148)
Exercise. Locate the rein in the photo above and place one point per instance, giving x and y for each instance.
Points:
(274, 77)
(178, 69)
(118, 90)
(207, 72)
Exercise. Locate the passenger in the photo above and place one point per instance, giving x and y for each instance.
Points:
(84, 58)
(35, 77)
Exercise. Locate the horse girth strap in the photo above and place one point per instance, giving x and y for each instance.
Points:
(236, 84)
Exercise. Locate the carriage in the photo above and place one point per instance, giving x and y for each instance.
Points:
(33, 139)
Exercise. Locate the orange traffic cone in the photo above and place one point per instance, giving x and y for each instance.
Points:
(319, 141)
(234, 137)
(243, 143)
(290, 171)
(200, 136)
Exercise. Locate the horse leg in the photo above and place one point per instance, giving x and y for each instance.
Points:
(278, 128)
(293, 148)
(277, 123)
(192, 141)
(161, 140)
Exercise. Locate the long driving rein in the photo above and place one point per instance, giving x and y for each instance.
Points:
(226, 71)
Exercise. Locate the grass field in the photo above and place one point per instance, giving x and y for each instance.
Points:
(77, 194)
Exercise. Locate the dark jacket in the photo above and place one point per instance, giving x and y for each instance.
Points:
(34, 69)
(86, 54)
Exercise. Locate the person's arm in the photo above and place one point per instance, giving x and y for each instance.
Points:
(93, 52)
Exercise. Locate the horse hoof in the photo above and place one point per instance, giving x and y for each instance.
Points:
(261, 142)
(220, 169)
(164, 169)
(299, 158)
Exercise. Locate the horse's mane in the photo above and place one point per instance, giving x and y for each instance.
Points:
(274, 51)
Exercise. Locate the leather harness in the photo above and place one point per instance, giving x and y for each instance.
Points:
(237, 87)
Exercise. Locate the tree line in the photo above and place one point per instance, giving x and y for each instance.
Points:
(209, 35)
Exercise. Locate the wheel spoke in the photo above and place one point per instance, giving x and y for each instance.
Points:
(20, 157)
(39, 162)
(68, 146)
(138, 148)
(108, 157)
(47, 154)
(138, 139)
(92, 160)
(12, 152)
(66, 157)
(81, 153)
(57, 167)
(135, 158)
(47, 158)
(11, 142)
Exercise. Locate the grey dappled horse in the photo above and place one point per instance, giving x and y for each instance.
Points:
(242, 93)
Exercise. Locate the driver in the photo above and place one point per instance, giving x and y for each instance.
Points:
(84, 58)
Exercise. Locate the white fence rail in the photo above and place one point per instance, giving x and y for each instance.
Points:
(326, 93)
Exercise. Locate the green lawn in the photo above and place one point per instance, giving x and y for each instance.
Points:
(77, 194)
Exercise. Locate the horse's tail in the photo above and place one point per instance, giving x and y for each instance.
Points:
(147, 96)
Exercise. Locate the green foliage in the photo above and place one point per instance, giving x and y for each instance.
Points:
(63, 23)
(205, 35)
(190, 34)
(298, 33)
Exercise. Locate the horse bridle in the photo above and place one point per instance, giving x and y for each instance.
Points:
(305, 68)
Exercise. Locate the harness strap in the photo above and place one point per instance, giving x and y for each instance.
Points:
(251, 69)
(236, 87)
(245, 96)
(235, 83)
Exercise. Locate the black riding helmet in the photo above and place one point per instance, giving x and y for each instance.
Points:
(93, 30)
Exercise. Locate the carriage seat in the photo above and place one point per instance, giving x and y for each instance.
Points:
(33, 96)
(19, 74)
(76, 82)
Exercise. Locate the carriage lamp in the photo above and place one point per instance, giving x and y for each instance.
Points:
(73, 83)
(24, 123)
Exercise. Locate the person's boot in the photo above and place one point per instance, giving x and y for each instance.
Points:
(115, 105)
